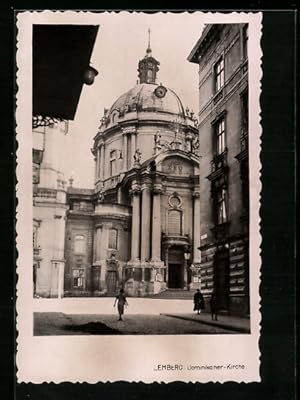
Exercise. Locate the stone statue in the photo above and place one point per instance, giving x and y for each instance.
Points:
(157, 138)
(195, 143)
(137, 156)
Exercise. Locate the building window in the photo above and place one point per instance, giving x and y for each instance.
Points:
(175, 201)
(221, 211)
(245, 42)
(79, 244)
(219, 74)
(245, 115)
(220, 136)
(114, 117)
(150, 75)
(64, 127)
(175, 222)
(78, 278)
(113, 162)
(113, 239)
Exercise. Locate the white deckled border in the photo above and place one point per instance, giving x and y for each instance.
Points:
(129, 358)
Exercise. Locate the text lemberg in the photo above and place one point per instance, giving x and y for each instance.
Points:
(169, 367)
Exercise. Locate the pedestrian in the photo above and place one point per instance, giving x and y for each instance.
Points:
(121, 300)
(198, 301)
(214, 305)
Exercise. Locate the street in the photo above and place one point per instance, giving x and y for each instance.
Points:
(102, 324)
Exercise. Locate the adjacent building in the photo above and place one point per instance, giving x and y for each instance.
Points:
(61, 65)
(222, 56)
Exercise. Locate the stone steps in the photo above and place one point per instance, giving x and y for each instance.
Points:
(178, 294)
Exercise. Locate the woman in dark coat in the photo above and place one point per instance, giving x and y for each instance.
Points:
(198, 302)
(121, 299)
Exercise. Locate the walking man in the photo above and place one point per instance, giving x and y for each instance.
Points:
(121, 300)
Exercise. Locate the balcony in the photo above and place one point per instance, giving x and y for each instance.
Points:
(179, 240)
(218, 165)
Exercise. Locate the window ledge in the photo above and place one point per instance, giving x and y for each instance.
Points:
(218, 95)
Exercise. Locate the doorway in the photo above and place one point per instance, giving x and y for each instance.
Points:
(222, 279)
(176, 267)
(111, 282)
(176, 279)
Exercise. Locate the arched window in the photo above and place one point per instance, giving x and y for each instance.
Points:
(79, 244)
(114, 117)
(113, 239)
(113, 162)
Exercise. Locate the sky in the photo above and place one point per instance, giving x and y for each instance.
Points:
(121, 42)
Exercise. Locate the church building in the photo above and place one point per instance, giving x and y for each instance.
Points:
(139, 228)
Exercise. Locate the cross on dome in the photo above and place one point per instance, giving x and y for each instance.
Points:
(149, 51)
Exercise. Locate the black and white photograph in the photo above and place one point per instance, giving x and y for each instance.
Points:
(140, 176)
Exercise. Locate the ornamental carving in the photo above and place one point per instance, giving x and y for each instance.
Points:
(177, 166)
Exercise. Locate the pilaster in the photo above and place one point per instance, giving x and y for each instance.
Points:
(156, 224)
(196, 227)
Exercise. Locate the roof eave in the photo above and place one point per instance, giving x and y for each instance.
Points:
(198, 48)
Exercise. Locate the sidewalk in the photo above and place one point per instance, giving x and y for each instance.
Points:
(104, 305)
(237, 324)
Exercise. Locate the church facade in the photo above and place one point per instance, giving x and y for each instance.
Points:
(139, 228)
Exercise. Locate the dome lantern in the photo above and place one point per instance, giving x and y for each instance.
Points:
(148, 66)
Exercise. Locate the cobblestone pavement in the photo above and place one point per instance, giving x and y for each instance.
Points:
(94, 324)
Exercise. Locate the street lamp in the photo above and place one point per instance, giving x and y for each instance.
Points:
(89, 75)
(187, 255)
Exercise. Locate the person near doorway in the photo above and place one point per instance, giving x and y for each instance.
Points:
(121, 302)
(214, 305)
(198, 301)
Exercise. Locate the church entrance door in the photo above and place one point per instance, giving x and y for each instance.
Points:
(176, 268)
(176, 280)
(111, 282)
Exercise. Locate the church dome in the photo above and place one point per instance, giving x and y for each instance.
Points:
(148, 97)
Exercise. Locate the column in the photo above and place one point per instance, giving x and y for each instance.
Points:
(98, 163)
(102, 175)
(196, 233)
(61, 274)
(167, 263)
(94, 244)
(133, 148)
(125, 151)
(99, 155)
(98, 242)
(146, 212)
(156, 224)
(185, 275)
(135, 224)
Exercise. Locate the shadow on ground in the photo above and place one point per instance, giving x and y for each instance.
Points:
(92, 328)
